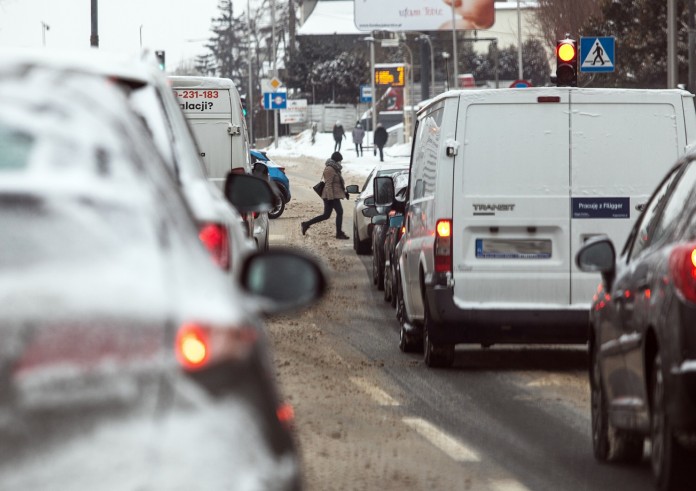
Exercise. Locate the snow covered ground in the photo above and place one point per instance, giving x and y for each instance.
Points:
(299, 146)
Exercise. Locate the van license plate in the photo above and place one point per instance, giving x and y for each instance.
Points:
(513, 248)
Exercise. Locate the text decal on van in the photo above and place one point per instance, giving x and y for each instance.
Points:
(489, 209)
(601, 207)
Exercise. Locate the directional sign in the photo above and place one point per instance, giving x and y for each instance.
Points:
(597, 54)
(365, 93)
(275, 100)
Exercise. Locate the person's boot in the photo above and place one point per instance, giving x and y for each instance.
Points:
(342, 236)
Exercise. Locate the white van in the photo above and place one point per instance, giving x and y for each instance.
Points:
(213, 109)
(505, 187)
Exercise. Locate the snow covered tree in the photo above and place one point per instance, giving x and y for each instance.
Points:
(227, 44)
(640, 28)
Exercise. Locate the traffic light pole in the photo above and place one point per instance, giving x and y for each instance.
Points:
(94, 38)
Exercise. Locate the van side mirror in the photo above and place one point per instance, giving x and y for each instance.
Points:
(383, 191)
(248, 193)
(353, 189)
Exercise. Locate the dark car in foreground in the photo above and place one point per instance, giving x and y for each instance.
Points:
(128, 360)
(643, 338)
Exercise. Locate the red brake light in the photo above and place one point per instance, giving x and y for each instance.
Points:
(443, 246)
(214, 237)
(682, 266)
(192, 346)
(286, 415)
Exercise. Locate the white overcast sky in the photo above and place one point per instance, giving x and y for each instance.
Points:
(167, 24)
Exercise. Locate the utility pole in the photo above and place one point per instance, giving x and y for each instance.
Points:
(94, 38)
(455, 64)
(692, 47)
(275, 73)
(250, 92)
(671, 44)
(520, 71)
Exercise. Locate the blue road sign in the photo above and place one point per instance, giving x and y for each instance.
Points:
(365, 93)
(597, 54)
(275, 100)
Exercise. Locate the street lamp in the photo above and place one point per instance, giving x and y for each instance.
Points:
(425, 37)
(44, 27)
(371, 39)
(445, 56)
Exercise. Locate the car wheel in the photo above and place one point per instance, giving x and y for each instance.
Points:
(608, 443)
(409, 343)
(435, 355)
(278, 210)
(669, 460)
(377, 271)
(387, 284)
(361, 246)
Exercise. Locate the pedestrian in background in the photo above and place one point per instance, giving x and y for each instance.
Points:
(339, 134)
(358, 135)
(334, 192)
(380, 139)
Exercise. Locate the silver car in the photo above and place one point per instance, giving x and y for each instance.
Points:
(152, 99)
(128, 360)
(364, 205)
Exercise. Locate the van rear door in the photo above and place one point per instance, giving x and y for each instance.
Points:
(623, 143)
(511, 214)
(208, 112)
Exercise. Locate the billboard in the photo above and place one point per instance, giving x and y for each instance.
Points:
(423, 15)
(296, 112)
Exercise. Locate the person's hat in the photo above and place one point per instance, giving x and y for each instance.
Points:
(336, 156)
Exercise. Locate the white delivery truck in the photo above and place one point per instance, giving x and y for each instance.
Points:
(505, 187)
(213, 109)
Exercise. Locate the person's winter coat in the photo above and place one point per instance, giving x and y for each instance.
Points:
(358, 135)
(335, 188)
(338, 132)
(381, 136)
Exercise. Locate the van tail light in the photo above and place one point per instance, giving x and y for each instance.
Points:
(400, 233)
(682, 267)
(214, 237)
(443, 246)
(199, 346)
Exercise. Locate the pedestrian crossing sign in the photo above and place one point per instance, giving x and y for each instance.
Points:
(597, 54)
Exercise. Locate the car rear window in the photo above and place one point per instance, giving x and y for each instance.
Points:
(15, 148)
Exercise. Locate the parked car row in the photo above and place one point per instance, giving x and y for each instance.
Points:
(133, 352)
(491, 224)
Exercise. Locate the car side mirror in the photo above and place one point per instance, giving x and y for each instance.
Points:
(597, 255)
(383, 191)
(282, 280)
(379, 219)
(260, 169)
(249, 193)
(353, 189)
